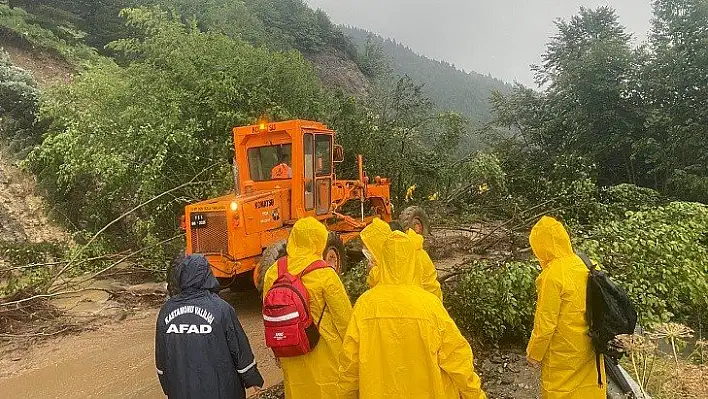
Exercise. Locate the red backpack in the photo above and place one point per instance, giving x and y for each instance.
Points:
(289, 326)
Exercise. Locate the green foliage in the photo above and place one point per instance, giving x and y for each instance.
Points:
(230, 17)
(26, 253)
(676, 88)
(400, 135)
(29, 279)
(372, 59)
(20, 26)
(475, 183)
(355, 280)
(161, 121)
(19, 103)
(292, 24)
(616, 201)
(583, 108)
(494, 302)
(659, 256)
(628, 112)
(279, 24)
(92, 23)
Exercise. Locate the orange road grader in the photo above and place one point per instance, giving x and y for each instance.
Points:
(284, 171)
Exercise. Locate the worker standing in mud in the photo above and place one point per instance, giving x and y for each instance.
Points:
(560, 344)
(401, 342)
(314, 375)
(373, 237)
(201, 350)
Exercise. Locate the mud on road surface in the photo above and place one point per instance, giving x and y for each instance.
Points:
(114, 361)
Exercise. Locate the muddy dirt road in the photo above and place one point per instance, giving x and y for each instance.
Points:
(115, 361)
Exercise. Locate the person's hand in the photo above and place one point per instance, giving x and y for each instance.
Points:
(257, 391)
(534, 364)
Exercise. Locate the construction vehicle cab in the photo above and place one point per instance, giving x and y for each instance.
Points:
(283, 171)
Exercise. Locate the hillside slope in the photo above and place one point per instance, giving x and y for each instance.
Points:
(23, 218)
(449, 87)
(283, 25)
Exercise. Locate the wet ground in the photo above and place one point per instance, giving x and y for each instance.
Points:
(114, 361)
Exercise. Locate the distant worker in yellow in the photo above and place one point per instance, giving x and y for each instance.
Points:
(373, 237)
(560, 343)
(282, 170)
(314, 375)
(401, 342)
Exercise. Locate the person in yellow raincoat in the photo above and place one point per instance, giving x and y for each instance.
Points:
(560, 341)
(314, 375)
(373, 237)
(401, 342)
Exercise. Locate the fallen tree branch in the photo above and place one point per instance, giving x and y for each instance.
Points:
(52, 295)
(458, 228)
(40, 334)
(524, 223)
(445, 278)
(35, 265)
(192, 182)
(130, 255)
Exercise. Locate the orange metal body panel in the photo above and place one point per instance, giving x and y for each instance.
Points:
(237, 228)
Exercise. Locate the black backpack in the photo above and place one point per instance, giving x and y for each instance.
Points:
(609, 313)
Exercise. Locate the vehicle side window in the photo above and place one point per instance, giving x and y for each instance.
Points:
(309, 172)
(323, 151)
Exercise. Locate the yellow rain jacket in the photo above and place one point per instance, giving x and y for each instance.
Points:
(560, 338)
(374, 236)
(428, 272)
(314, 375)
(401, 343)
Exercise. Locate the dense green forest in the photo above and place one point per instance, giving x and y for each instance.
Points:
(450, 88)
(613, 141)
(279, 24)
(614, 113)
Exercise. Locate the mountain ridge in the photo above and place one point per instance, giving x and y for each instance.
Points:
(447, 85)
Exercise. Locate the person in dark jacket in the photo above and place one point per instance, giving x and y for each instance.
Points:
(201, 350)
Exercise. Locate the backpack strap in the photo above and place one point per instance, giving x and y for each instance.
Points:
(588, 263)
(593, 270)
(316, 265)
(282, 266)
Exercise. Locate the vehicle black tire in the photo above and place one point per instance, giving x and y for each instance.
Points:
(271, 254)
(414, 217)
(353, 249)
(335, 253)
(225, 282)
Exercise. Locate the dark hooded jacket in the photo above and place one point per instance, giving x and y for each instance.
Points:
(201, 350)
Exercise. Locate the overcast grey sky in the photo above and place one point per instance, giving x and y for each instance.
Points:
(500, 37)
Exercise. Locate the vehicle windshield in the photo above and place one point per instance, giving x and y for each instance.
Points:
(270, 163)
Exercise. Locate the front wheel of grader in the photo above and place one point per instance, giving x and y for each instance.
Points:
(415, 218)
(335, 253)
(271, 255)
